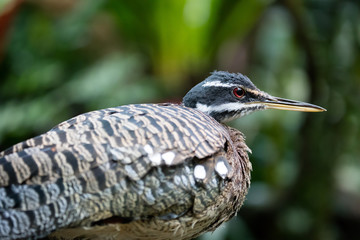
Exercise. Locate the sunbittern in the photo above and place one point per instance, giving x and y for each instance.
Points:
(146, 171)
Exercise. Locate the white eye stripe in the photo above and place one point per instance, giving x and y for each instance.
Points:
(218, 84)
(234, 106)
(229, 85)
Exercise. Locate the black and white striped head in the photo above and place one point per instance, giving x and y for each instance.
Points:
(226, 96)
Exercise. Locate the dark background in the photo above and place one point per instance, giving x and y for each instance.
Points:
(62, 58)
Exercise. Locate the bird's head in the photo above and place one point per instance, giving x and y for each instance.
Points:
(226, 96)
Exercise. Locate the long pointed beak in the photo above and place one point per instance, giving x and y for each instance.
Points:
(291, 105)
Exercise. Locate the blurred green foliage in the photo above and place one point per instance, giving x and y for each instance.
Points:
(63, 58)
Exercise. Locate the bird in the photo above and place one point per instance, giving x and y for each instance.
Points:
(139, 171)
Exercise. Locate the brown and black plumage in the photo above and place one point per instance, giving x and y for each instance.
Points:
(146, 171)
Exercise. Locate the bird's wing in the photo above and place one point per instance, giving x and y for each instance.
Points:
(137, 137)
(105, 163)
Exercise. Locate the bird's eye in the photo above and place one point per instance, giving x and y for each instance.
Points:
(239, 92)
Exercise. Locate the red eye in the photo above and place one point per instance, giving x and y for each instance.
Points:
(239, 92)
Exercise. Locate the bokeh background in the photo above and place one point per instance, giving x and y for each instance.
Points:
(62, 58)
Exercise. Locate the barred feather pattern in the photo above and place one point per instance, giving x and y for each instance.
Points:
(134, 162)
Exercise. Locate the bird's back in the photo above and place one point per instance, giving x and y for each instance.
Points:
(131, 170)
